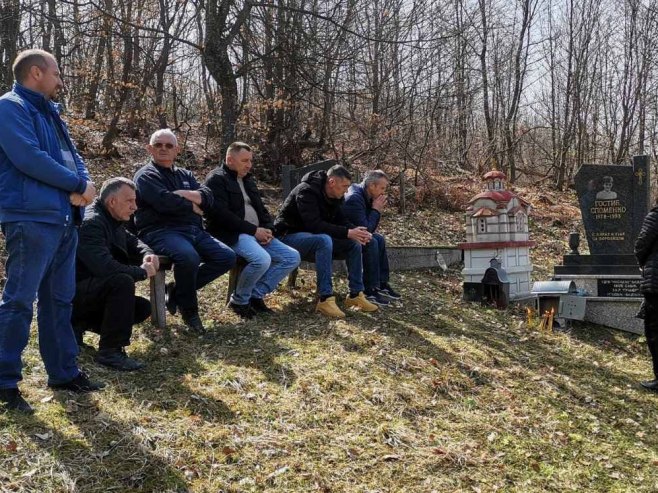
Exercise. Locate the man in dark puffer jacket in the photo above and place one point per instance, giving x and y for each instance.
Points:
(110, 260)
(646, 252)
(311, 221)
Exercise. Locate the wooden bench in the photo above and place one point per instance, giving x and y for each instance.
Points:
(158, 282)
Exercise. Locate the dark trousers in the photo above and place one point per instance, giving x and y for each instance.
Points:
(375, 263)
(198, 259)
(651, 328)
(109, 307)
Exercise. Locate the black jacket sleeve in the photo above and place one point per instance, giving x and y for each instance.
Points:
(309, 211)
(221, 211)
(94, 252)
(136, 248)
(646, 240)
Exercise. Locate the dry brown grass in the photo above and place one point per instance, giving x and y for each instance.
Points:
(430, 395)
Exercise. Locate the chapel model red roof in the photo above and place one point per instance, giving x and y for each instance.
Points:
(493, 174)
(495, 195)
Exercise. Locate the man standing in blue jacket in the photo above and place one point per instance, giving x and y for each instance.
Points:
(170, 207)
(43, 185)
(364, 204)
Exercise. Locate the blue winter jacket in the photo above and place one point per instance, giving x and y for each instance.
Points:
(35, 184)
(358, 208)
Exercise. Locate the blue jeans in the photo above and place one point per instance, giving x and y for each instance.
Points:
(198, 259)
(41, 260)
(375, 263)
(322, 248)
(266, 266)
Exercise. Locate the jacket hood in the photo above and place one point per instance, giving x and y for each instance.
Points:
(315, 179)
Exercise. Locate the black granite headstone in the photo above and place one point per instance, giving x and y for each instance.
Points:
(613, 202)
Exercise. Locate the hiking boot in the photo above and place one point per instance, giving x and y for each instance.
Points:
(650, 385)
(360, 301)
(117, 359)
(11, 399)
(258, 305)
(386, 290)
(328, 308)
(81, 383)
(245, 312)
(376, 298)
(170, 297)
(192, 320)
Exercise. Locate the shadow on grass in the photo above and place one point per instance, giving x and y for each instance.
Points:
(104, 454)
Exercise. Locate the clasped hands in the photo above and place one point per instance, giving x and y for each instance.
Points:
(85, 198)
(360, 234)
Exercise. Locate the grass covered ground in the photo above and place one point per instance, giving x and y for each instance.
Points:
(431, 395)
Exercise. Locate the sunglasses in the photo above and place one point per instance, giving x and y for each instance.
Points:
(159, 145)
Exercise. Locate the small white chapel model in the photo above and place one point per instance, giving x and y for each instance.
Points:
(497, 228)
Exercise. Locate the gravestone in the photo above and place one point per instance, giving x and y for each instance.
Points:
(613, 201)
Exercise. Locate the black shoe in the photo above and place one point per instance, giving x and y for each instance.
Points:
(377, 298)
(117, 359)
(12, 399)
(170, 297)
(650, 385)
(243, 311)
(386, 290)
(81, 383)
(192, 320)
(258, 305)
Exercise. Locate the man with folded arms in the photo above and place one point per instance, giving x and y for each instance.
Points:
(239, 218)
(110, 260)
(311, 221)
(170, 207)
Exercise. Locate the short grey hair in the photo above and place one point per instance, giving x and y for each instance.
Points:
(161, 132)
(339, 171)
(373, 176)
(113, 185)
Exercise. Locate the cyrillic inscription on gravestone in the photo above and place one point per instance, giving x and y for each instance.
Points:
(619, 288)
(613, 202)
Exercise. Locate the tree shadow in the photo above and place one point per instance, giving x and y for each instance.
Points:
(104, 455)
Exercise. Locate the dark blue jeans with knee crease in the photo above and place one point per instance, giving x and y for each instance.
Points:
(40, 262)
(322, 248)
(198, 259)
(375, 263)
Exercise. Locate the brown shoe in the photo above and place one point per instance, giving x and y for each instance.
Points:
(328, 308)
(361, 303)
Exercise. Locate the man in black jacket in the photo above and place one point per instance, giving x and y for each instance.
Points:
(646, 252)
(239, 218)
(170, 206)
(108, 262)
(312, 222)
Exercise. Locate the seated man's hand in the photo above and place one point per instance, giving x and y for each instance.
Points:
(263, 235)
(360, 235)
(191, 195)
(197, 209)
(149, 268)
(89, 194)
(77, 199)
(379, 204)
(152, 259)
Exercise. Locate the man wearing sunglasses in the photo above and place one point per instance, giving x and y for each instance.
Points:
(170, 207)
